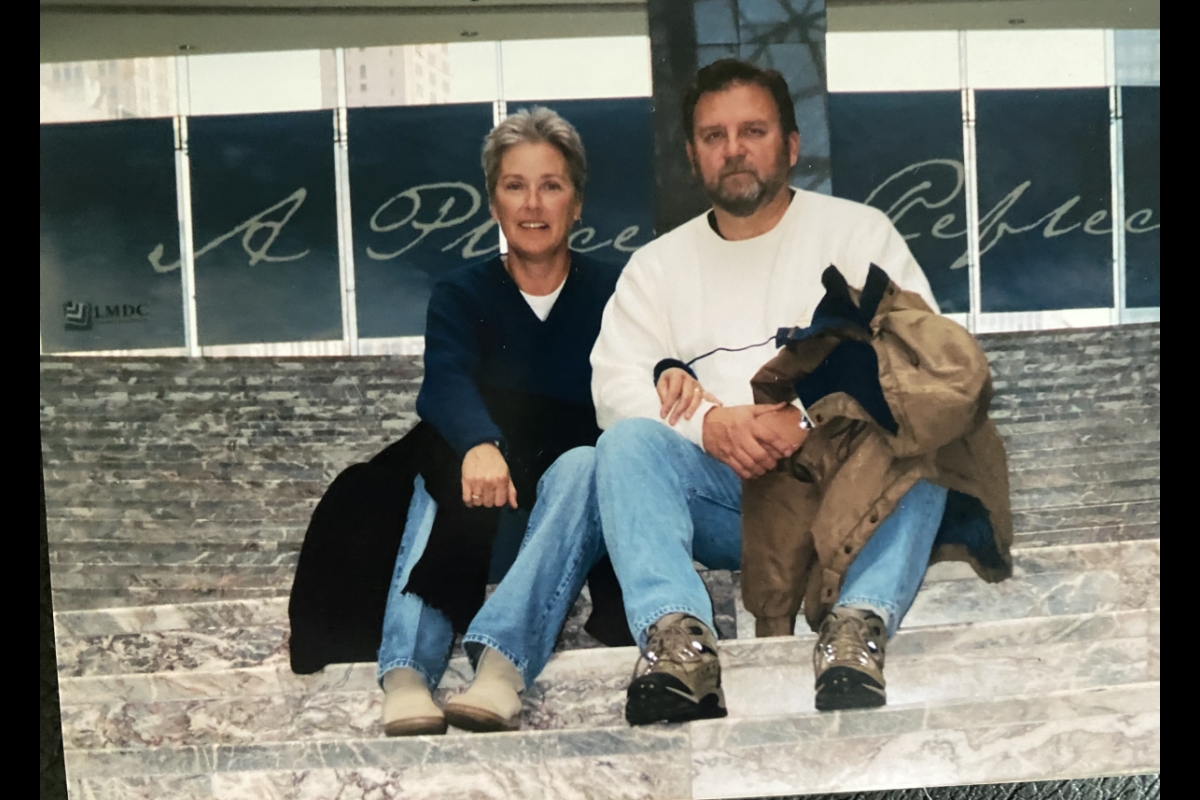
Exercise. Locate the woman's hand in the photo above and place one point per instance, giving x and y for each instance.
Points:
(681, 395)
(485, 479)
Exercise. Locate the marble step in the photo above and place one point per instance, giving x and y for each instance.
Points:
(151, 532)
(113, 369)
(1017, 345)
(296, 505)
(1077, 579)
(1074, 734)
(311, 398)
(107, 382)
(1010, 419)
(358, 441)
(1081, 524)
(585, 688)
(1087, 341)
(63, 529)
(1133, 438)
(1094, 358)
(182, 561)
(1142, 488)
(1031, 521)
(177, 551)
(1137, 431)
(1010, 416)
(276, 578)
(214, 471)
(296, 512)
(176, 554)
(170, 451)
(136, 597)
(1083, 455)
(307, 412)
(1063, 734)
(288, 491)
(215, 468)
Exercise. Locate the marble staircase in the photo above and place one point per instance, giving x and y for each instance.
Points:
(177, 495)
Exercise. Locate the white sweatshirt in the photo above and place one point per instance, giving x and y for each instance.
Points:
(691, 291)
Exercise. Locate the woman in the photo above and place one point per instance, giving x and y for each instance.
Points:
(507, 425)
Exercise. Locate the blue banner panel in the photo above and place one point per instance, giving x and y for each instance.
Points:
(902, 153)
(1139, 107)
(1045, 199)
(264, 228)
(618, 202)
(419, 207)
(109, 236)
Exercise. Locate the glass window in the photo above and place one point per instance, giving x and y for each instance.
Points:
(419, 205)
(250, 83)
(1137, 57)
(616, 66)
(1140, 134)
(1045, 199)
(109, 236)
(265, 228)
(892, 61)
(902, 153)
(469, 76)
(146, 87)
(1036, 59)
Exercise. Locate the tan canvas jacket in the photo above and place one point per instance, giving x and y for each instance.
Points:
(806, 521)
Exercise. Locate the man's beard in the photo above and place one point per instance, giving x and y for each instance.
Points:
(745, 203)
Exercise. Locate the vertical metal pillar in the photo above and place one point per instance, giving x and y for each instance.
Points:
(345, 227)
(183, 203)
(1116, 147)
(499, 112)
(970, 167)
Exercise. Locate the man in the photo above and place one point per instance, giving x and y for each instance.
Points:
(691, 322)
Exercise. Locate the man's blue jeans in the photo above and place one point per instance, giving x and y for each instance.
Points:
(523, 616)
(665, 503)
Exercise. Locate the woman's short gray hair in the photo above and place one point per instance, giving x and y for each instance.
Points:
(533, 126)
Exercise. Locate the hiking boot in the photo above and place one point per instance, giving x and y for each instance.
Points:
(678, 677)
(848, 660)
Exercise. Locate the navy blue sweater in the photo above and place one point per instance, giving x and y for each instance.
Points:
(495, 372)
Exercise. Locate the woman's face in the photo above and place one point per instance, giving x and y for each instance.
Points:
(535, 202)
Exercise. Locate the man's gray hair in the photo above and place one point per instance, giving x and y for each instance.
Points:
(533, 126)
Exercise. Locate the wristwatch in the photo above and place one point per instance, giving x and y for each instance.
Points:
(805, 423)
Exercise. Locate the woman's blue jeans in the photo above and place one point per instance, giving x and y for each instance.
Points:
(522, 617)
(665, 503)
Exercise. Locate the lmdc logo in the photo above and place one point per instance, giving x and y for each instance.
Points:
(81, 316)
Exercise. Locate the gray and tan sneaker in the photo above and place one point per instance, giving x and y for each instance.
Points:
(678, 677)
(848, 660)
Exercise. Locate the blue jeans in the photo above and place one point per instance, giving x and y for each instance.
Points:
(524, 614)
(665, 503)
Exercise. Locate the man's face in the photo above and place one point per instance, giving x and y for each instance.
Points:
(738, 150)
